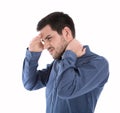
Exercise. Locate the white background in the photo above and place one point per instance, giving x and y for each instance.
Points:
(97, 25)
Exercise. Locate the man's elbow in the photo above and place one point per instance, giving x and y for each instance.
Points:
(27, 86)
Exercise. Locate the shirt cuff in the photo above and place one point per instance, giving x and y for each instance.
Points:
(34, 56)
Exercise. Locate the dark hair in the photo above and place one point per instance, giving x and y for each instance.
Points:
(57, 21)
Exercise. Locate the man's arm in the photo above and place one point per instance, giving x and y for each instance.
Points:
(78, 80)
(31, 77)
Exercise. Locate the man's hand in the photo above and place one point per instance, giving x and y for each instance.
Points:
(36, 44)
(76, 47)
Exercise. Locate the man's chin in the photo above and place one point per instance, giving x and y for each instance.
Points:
(57, 57)
(54, 57)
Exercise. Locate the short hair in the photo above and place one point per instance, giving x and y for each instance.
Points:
(57, 21)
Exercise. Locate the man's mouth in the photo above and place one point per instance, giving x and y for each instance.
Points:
(50, 49)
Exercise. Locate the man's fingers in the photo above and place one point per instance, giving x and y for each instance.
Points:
(83, 51)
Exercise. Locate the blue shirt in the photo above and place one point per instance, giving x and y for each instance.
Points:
(73, 84)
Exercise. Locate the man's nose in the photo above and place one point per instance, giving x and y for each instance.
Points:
(46, 44)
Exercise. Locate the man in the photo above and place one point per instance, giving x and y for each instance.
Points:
(76, 77)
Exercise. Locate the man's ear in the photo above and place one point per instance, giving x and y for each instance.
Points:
(66, 32)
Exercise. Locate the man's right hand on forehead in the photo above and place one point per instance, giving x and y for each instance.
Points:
(36, 44)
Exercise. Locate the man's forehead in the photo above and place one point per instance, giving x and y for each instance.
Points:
(45, 35)
(46, 28)
(46, 31)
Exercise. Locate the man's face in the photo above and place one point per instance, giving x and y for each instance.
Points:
(53, 42)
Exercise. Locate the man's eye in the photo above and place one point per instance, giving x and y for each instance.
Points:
(49, 38)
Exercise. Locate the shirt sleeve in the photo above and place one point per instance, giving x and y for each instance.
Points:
(78, 80)
(31, 77)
